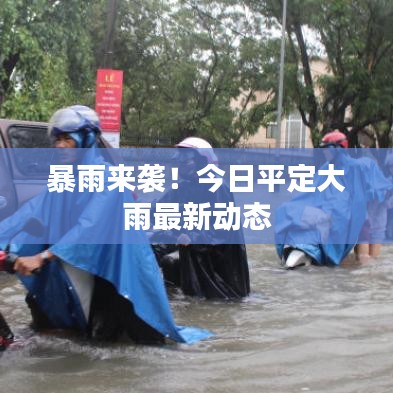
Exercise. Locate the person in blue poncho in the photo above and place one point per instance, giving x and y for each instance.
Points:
(106, 291)
(322, 228)
(200, 262)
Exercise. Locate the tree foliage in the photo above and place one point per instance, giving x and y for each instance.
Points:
(45, 56)
(196, 67)
(185, 66)
(355, 39)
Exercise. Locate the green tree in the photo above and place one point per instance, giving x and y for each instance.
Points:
(184, 67)
(356, 40)
(45, 56)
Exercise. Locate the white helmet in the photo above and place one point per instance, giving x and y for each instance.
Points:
(203, 147)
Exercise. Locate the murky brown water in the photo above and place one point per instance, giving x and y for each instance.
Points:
(309, 330)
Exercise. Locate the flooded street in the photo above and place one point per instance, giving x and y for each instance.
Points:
(309, 330)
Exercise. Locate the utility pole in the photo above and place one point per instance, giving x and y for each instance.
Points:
(110, 30)
(281, 78)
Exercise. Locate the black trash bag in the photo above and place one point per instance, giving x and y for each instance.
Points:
(208, 271)
(217, 270)
(214, 271)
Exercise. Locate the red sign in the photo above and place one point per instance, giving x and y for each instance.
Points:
(108, 99)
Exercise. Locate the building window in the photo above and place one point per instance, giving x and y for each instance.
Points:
(271, 130)
(296, 134)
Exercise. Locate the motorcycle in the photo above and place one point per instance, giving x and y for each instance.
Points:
(7, 262)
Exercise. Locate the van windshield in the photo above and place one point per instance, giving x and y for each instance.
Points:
(27, 137)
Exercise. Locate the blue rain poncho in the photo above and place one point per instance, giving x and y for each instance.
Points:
(337, 217)
(131, 268)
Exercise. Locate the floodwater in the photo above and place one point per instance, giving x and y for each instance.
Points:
(314, 329)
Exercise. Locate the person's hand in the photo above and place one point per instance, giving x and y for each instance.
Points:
(27, 265)
(183, 240)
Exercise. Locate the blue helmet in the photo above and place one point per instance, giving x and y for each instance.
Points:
(79, 121)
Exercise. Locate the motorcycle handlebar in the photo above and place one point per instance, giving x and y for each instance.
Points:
(7, 261)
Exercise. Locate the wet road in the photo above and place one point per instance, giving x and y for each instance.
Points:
(309, 330)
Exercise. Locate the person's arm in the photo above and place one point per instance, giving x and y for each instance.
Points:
(27, 265)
